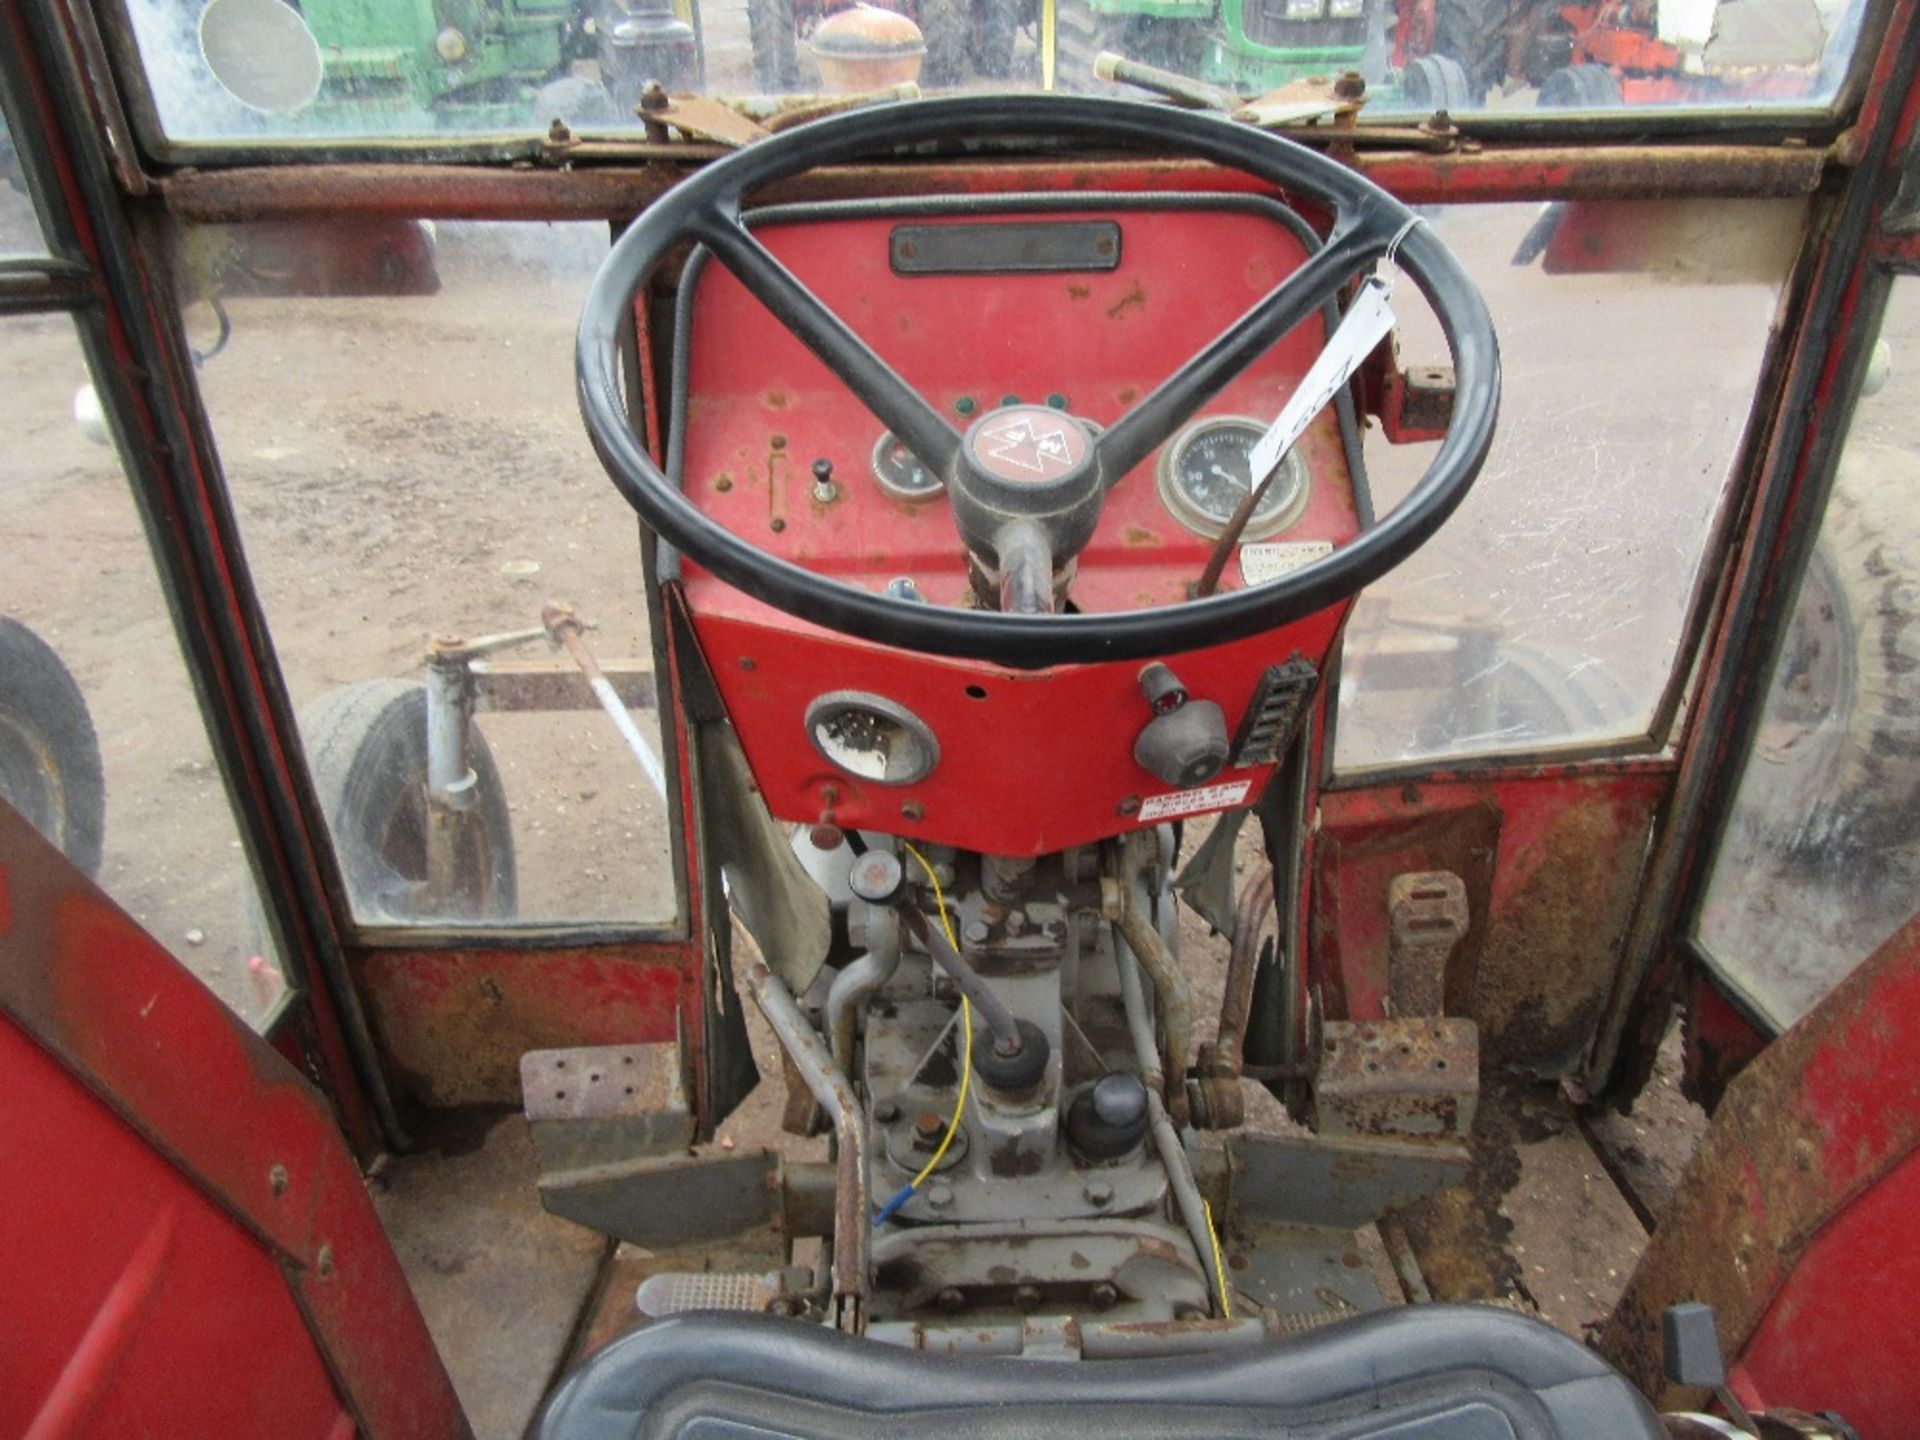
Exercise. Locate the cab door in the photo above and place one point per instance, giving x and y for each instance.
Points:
(187, 1248)
(1795, 948)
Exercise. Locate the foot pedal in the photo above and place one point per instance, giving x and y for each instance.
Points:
(675, 1292)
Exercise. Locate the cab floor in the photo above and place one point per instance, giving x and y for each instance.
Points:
(1551, 1223)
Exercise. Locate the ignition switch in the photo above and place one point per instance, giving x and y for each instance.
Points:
(1185, 743)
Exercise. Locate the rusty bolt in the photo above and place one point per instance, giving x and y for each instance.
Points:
(1104, 1296)
(1130, 805)
(1350, 86)
(886, 1112)
(927, 1128)
(1026, 1299)
(558, 133)
(939, 1195)
(1099, 1192)
(951, 1300)
(913, 810)
(277, 1179)
(723, 483)
(654, 97)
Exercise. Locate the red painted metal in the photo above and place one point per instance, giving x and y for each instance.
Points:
(1720, 1043)
(131, 1091)
(1840, 1334)
(134, 1307)
(1031, 761)
(1795, 1217)
(454, 1023)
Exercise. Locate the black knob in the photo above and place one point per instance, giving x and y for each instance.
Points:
(1185, 746)
(1015, 1073)
(1109, 1117)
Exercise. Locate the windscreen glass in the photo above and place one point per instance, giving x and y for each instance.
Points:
(262, 70)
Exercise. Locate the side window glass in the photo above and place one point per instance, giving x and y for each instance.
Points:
(1821, 855)
(395, 412)
(102, 743)
(20, 232)
(1547, 614)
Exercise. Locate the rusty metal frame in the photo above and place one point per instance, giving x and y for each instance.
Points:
(1826, 364)
(1491, 173)
(143, 373)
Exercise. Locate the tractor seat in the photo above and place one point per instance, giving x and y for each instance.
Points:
(1430, 1372)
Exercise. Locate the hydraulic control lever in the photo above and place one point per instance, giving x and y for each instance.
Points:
(878, 879)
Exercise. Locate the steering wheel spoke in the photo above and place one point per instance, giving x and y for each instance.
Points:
(1352, 248)
(706, 208)
(897, 404)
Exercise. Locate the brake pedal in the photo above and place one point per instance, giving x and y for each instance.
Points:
(675, 1292)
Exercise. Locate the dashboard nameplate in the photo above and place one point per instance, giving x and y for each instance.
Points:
(1036, 247)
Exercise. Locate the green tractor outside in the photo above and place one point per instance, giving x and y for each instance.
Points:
(1252, 47)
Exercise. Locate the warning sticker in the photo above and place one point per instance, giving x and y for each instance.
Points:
(1193, 802)
(1271, 559)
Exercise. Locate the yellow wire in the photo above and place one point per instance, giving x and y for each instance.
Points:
(966, 1029)
(1219, 1266)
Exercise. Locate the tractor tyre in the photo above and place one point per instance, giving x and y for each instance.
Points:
(1579, 87)
(1436, 82)
(49, 754)
(1473, 34)
(577, 103)
(1835, 772)
(996, 25)
(776, 51)
(1079, 35)
(1531, 698)
(948, 29)
(366, 747)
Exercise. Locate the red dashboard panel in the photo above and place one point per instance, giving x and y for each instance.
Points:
(1030, 761)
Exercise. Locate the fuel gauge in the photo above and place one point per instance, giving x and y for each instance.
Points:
(899, 472)
(1205, 474)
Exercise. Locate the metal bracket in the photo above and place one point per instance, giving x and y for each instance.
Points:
(1410, 1079)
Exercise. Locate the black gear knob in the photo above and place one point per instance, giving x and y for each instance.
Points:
(1109, 1117)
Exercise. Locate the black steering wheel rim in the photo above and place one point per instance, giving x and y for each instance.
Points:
(700, 208)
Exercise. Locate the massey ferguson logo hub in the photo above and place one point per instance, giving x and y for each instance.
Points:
(1031, 444)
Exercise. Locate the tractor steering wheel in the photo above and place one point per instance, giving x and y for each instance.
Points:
(1367, 222)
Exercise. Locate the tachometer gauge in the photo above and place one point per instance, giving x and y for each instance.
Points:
(1204, 477)
(900, 473)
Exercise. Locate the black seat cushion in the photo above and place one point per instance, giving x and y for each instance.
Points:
(1430, 1372)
